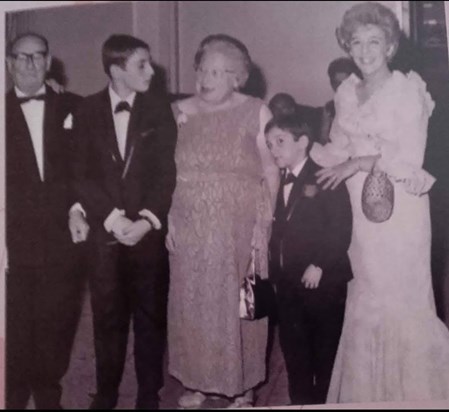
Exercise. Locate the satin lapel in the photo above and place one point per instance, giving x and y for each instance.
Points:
(135, 119)
(134, 124)
(280, 205)
(17, 129)
(108, 130)
(50, 134)
(294, 199)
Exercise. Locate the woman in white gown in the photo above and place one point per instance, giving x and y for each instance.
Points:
(393, 347)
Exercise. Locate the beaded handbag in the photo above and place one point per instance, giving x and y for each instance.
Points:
(377, 197)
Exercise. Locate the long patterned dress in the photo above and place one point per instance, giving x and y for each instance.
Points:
(219, 202)
(393, 347)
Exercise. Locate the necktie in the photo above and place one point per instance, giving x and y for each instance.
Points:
(121, 107)
(289, 178)
(26, 99)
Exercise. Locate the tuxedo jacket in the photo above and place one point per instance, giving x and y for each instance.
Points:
(313, 228)
(144, 179)
(37, 211)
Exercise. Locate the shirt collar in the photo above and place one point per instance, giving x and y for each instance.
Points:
(298, 168)
(19, 92)
(115, 98)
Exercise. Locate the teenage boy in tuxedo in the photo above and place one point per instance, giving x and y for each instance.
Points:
(308, 262)
(124, 178)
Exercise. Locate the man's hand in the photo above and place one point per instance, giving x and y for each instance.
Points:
(121, 223)
(312, 277)
(133, 234)
(79, 229)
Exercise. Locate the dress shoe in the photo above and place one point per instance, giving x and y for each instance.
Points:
(244, 401)
(191, 400)
(149, 405)
(103, 402)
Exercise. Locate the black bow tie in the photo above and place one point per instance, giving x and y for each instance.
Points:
(121, 107)
(29, 98)
(289, 178)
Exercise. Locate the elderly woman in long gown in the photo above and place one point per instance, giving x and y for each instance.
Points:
(221, 209)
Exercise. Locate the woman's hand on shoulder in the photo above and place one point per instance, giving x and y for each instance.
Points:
(331, 177)
(55, 86)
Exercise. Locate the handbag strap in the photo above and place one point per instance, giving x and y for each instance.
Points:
(253, 266)
(373, 169)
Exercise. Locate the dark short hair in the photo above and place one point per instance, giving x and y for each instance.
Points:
(342, 65)
(232, 48)
(294, 124)
(117, 49)
(12, 43)
(369, 13)
(282, 98)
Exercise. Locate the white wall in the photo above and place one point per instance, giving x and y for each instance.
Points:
(293, 42)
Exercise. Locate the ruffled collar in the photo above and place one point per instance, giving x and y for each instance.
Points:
(391, 89)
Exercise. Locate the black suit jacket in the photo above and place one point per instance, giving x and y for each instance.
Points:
(313, 228)
(37, 212)
(145, 179)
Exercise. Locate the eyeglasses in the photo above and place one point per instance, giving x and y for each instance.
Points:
(37, 58)
(214, 73)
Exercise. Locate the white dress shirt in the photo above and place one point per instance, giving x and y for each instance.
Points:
(296, 171)
(33, 111)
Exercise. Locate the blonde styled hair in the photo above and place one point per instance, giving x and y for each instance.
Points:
(230, 47)
(369, 13)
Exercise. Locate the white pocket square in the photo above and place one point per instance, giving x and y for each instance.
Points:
(68, 122)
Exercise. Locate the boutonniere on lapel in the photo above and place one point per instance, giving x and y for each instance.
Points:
(310, 191)
(68, 122)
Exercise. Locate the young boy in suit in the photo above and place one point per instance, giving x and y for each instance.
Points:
(124, 177)
(309, 265)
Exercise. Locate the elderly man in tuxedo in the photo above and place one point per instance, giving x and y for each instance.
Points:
(44, 234)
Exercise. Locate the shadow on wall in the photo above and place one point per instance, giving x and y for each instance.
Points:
(408, 57)
(57, 72)
(159, 81)
(256, 85)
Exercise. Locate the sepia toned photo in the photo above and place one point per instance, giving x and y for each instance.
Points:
(215, 204)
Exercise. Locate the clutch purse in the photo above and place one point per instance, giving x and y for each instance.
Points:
(257, 296)
(377, 197)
